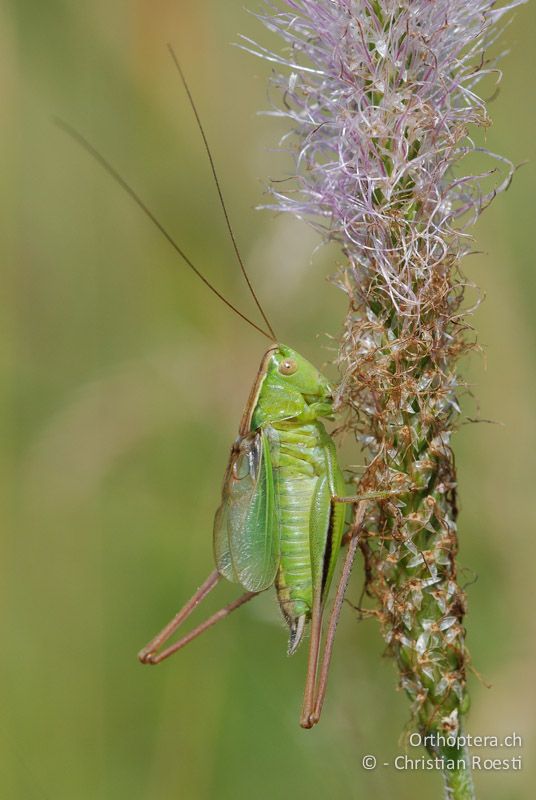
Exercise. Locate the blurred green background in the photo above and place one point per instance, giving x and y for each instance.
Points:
(123, 382)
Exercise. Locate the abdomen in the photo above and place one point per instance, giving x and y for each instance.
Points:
(299, 464)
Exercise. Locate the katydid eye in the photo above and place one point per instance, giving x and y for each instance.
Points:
(288, 367)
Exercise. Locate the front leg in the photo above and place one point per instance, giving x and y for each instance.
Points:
(315, 410)
(358, 498)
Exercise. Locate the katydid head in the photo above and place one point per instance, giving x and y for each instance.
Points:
(292, 370)
(287, 387)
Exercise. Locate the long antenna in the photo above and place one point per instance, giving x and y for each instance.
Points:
(218, 187)
(88, 147)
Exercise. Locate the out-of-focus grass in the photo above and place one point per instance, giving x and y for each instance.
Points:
(123, 383)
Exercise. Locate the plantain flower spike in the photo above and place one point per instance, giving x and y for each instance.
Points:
(382, 98)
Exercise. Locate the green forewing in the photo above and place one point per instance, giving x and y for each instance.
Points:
(319, 530)
(327, 521)
(246, 527)
(338, 514)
